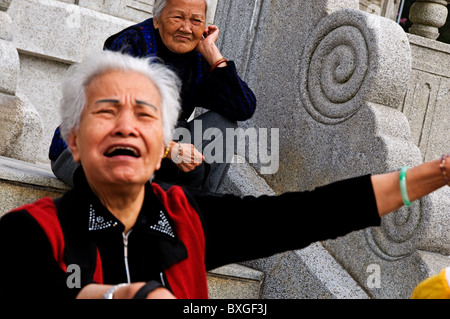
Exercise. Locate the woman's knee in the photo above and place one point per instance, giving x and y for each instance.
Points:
(213, 119)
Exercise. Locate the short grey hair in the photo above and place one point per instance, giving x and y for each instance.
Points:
(159, 5)
(80, 75)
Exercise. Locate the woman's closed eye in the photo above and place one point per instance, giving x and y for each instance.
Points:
(146, 109)
(146, 115)
(105, 111)
(177, 19)
(197, 22)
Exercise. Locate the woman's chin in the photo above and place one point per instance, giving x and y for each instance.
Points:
(125, 177)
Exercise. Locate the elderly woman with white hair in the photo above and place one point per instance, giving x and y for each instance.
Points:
(117, 235)
(178, 35)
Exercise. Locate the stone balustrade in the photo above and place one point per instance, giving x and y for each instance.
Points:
(20, 123)
(427, 17)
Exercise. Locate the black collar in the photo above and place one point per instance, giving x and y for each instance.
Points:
(83, 218)
(153, 215)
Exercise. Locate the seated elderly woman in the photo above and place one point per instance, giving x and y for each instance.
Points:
(177, 34)
(130, 238)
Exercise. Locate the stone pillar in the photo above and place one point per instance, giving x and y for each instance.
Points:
(384, 8)
(9, 67)
(427, 17)
(20, 124)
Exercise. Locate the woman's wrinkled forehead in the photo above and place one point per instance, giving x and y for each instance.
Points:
(163, 4)
(117, 84)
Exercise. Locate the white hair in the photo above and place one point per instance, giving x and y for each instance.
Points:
(80, 75)
(159, 5)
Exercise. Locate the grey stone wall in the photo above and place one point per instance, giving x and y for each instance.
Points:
(427, 102)
(51, 35)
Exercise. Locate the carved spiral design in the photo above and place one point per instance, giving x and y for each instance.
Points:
(335, 67)
(345, 65)
(397, 236)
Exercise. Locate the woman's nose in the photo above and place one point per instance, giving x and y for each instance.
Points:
(125, 125)
(186, 26)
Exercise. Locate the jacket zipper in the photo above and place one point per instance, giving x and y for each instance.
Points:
(125, 255)
(161, 276)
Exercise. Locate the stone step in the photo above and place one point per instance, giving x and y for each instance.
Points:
(235, 282)
(22, 182)
(242, 179)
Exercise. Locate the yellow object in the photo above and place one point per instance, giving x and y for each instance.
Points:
(167, 150)
(436, 287)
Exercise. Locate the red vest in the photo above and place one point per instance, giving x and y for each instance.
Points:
(187, 278)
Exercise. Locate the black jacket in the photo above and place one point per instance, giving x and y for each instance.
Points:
(236, 229)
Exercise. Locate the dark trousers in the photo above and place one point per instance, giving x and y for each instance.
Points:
(207, 133)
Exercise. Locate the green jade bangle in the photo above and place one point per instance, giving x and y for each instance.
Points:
(403, 190)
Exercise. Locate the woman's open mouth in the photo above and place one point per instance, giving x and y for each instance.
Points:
(123, 151)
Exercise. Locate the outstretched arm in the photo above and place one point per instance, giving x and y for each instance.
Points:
(419, 181)
(265, 225)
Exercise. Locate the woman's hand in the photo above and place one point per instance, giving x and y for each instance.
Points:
(421, 181)
(207, 46)
(96, 291)
(128, 292)
(211, 34)
(185, 156)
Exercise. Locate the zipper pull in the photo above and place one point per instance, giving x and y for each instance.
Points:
(125, 254)
(161, 275)
(125, 245)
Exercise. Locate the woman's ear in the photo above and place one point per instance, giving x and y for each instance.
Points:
(163, 151)
(73, 145)
(155, 23)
